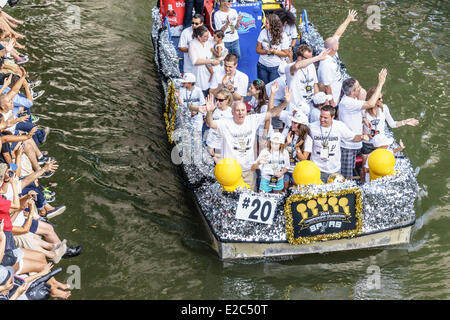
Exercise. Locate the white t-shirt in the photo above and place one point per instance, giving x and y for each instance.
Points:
(274, 163)
(350, 114)
(214, 139)
(238, 140)
(291, 32)
(185, 39)
(314, 114)
(240, 81)
(329, 73)
(333, 136)
(279, 96)
(253, 103)
(379, 121)
(196, 98)
(301, 83)
(221, 18)
(9, 194)
(199, 51)
(272, 60)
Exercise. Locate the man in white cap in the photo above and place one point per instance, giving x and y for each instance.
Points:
(301, 75)
(329, 71)
(191, 96)
(327, 135)
(273, 162)
(298, 143)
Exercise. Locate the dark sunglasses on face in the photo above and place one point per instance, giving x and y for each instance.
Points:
(220, 100)
(196, 23)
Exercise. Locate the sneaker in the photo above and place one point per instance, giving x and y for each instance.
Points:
(59, 252)
(47, 174)
(34, 84)
(42, 160)
(72, 251)
(38, 94)
(47, 190)
(34, 118)
(55, 212)
(22, 59)
(49, 197)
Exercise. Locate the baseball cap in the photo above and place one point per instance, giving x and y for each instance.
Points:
(300, 117)
(321, 97)
(188, 77)
(381, 140)
(277, 137)
(302, 105)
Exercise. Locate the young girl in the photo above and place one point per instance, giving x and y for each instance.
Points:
(224, 99)
(273, 163)
(219, 49)
(190, 96)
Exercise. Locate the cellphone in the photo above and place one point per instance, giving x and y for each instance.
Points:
(18, 281)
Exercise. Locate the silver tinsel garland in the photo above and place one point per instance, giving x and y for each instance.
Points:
(387, 202)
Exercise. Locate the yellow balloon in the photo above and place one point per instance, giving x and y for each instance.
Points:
(336, 177)
(229, 174)
(381, 163)
(306, 172)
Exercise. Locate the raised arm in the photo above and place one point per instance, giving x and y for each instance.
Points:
(300, 64)
(275, 112)
(374, 98)
(210, 107)
(350, 18)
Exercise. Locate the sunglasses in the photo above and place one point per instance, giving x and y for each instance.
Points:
(196, 23)
(221, 100)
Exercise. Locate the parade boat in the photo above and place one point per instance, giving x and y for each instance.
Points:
(318, 218)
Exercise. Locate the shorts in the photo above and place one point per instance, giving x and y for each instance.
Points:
(264, 185)
(34, 226)
(348, 160)
(367, 148)
(288, 177)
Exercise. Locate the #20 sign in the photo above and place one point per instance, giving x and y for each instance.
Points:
(256, 209)
(333, 215)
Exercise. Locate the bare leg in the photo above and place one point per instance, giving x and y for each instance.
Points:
(31, 154)
(46, 230)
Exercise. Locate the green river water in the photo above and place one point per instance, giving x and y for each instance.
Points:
(141, 235)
